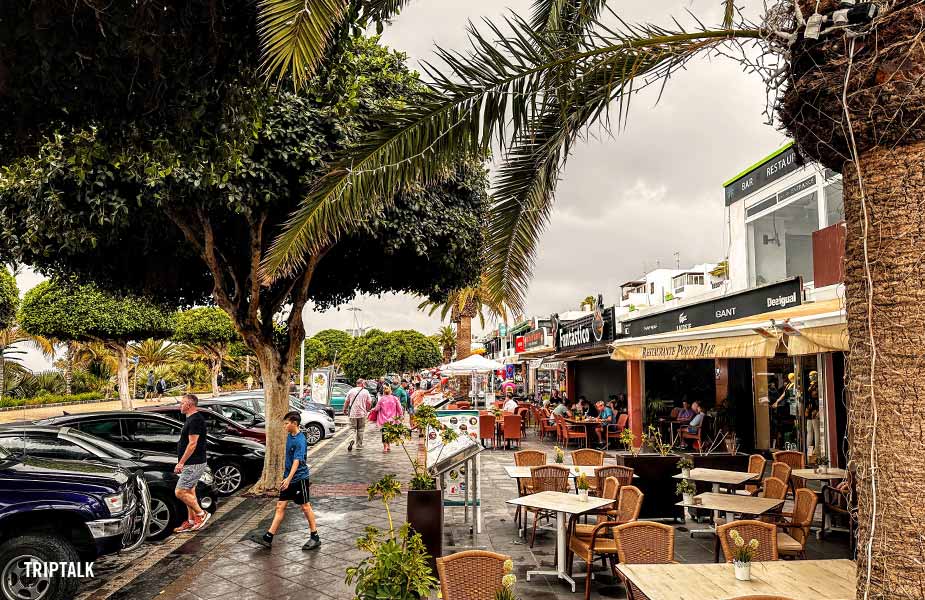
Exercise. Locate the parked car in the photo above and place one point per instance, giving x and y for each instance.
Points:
(60, 511)
(255, 400)
(234, 460)
(68, 443)
(317, 425)
(216, 423)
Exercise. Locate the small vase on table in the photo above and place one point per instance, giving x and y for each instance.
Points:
(582, 495)
(743, 570)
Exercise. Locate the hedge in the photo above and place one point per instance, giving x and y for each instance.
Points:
(50, 399)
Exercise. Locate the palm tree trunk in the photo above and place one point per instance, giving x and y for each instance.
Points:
(885, 280)
(2, 373)
(463, 337)
(216, 366)
(125, 394)
(68, 368)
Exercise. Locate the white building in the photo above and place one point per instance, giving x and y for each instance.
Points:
(662, 286)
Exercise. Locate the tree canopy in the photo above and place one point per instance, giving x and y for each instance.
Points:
(377, 352)
(9, 298)
(203, 325)
(335, 342)
(84, 313)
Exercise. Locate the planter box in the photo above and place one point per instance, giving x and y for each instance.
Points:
(656, 483)
(425, 514)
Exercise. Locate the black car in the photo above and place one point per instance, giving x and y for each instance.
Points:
(255, 401)
(68, 443)
(234, 460)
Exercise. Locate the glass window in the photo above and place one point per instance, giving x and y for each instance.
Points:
(44, 446)
(236, 413)
(143, 427)
(781, 243)
(103, 429)
(14, 444)
(834, 203)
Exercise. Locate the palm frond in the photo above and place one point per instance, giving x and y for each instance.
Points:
(382, 10)
(729, 15)
(565, 15)
(294, 35)
(504, 91)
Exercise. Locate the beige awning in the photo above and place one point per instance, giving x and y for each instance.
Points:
(812, 340)
(740, 346)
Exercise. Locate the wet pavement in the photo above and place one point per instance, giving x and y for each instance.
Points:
(220, 562)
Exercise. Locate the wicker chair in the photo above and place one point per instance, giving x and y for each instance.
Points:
(794, 542)
(794, 460)
(471, 575)
(611, 492)
(569, 432)
(588, 457)
(629, 503)
(643, 542)
(765, 533)
(840, 500)
(614, 431)
(547, 478)
(513, 429)
(623, 474)
(774, 488)
(781, 471)
(527, 458)
(756, 464)
(545, 427)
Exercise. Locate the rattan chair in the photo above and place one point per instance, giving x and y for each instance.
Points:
(774, 488)
(527, 458)
(471, 575)
(794, 460)
(643, 542)
(765, 533)
(607, 513)
(629, 503)
(547, 478)
(615, 471)
(781, 471)
(794, 542)
(756, 464)
(587, 457)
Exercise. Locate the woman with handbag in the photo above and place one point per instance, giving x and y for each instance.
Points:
(387, 410)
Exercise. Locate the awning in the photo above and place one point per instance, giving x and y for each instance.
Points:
(820, 325)
(740, 346)
(812, 340)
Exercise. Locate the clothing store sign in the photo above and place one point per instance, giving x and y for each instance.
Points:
(587, 332)
(728, 308)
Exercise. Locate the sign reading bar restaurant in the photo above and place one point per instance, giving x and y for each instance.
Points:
(535, 338)
(771, 169)
(728, 308)
(587, 332)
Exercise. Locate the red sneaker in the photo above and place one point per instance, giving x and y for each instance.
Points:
(201, 520)
(186, 526)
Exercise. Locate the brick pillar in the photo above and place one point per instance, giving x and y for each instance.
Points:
(634, 396)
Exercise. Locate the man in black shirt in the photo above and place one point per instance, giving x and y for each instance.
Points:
(191, 463)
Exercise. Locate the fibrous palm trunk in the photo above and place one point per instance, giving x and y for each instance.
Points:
(464, 349)
(68, 368)
(125, 394)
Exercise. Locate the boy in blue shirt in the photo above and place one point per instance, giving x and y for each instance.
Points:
(295, 486)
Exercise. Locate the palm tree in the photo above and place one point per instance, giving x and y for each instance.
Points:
(211, 355)
(850, 94)
(446, 339)
(11, 340)
(588, 301)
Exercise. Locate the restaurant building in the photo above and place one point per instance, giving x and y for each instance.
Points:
(765, 350)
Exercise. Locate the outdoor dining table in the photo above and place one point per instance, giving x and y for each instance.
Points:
(796, 579)
(731, 503)
(731, 479)
(830, 474)
(588, 424)
(564, 505)
(515, 472)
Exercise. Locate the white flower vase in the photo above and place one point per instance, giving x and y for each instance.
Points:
(686, 473)
(743, 570)
(688, 498)
(582, 495)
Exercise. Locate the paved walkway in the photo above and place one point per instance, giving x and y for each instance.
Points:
(221, 563)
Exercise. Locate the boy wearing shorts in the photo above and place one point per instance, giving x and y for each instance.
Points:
(295, 485)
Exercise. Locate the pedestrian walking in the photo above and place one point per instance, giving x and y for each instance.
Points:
(356, 407)
(401, 393)
(161, 387)
(191, 463)
(388, 410)
(408, 390)
(250, 382)
(295, 486)
(149, 386)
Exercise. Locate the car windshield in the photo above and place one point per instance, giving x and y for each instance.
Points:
(107, 447)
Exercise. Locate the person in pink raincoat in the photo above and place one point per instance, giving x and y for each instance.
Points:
(388, 409)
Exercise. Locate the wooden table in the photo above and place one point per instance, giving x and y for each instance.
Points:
(515, 472)
(731, 479)
(730, 503)
(563, 505)
(797, 579)
(829, 475)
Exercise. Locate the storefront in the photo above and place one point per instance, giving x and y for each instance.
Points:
(777, 362)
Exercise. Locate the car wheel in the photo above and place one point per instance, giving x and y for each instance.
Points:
(163, 518)
(313, 433)
(228, 478)
(17, 552)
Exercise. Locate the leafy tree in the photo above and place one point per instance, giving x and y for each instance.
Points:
(84, 313)
(316, 353)
(378, 352)
(209, 329)
(176, 190)
(335, 341)
(9, 298)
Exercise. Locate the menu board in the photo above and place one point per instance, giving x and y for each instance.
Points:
(466, 425)
(321, 386)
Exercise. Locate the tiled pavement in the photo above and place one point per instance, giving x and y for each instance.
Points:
(221, 563)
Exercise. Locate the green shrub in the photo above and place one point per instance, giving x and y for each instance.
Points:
(50, 399)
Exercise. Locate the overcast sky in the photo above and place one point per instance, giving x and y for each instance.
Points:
(625, 201)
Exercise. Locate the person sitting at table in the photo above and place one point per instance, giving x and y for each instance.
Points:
(564, 409)
(510, 405)
(697, 420)
(685, 414)
(608, 419)
(592, 410)
(582, 406)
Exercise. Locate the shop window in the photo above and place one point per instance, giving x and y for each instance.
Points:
(834, 203)
(781, 244)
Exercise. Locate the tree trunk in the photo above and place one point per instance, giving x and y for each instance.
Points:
(463, 337)
(2, 373)
(216, 365)
(68, 368)
(276, 391)
(125, 394)
(886, 306)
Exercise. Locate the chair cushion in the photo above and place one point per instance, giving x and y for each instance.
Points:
(787, 545)
(582, 546)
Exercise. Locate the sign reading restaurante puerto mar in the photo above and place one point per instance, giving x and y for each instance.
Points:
(587, 332)
(728, 308)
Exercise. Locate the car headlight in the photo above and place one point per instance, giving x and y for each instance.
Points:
(115, 503)
(207, 478)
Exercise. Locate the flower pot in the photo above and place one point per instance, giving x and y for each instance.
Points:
(743, 570)
(583, 495)
(686, 473)
(425, 515)
(688, 498)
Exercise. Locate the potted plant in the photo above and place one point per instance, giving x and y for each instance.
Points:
(822, 465)
(629, 441)
(687, 490)
(560, 455)
(397, 563)
(742, 554)
(685, 464)
(655, 440)
(425, 501)
(508, 580)
(583, 486)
